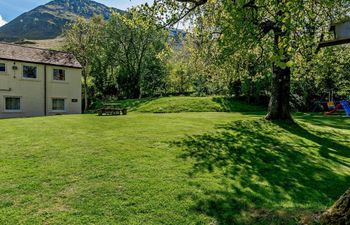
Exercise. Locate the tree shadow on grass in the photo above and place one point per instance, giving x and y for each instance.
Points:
(271, 170)
(230, 104)
(332, 121)
(328, 148)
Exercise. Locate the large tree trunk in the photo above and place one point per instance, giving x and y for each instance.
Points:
(279, 108)
(339, 213)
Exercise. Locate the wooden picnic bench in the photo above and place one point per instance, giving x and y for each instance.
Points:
(112, 109)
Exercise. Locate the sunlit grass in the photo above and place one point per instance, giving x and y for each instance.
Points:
(85, 169)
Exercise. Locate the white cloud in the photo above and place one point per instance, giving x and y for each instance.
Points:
(2, 21)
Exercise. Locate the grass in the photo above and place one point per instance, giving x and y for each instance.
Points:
(273, 173)
(187, 104)
(178, 168)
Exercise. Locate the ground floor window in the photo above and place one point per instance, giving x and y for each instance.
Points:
(2, 67)
(58, 104)
(12, 103)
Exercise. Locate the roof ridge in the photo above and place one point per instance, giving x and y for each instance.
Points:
(43, 49)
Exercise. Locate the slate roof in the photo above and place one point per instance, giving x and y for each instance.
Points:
(37, 55)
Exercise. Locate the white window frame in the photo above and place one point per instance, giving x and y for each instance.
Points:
(65, 75)
(10, 110)
(2, 72)
(28, 78)
(59, 111)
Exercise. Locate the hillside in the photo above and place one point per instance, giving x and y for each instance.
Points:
(48, 21)
(53, 44)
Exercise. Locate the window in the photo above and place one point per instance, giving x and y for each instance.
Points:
(30, 72)
(59, 74)
(58, 104)
(2, 67)
(12, 104)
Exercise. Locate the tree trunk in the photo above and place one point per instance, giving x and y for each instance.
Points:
(279, 108)
(85, 91)
(339, 213)
(140, 92)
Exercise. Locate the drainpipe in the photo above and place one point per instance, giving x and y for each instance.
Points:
(45, 92)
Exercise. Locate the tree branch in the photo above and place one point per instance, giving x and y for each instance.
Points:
(196, 2)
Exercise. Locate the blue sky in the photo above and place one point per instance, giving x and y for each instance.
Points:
(9, 9)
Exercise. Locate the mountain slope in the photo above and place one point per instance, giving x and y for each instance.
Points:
(48, 21)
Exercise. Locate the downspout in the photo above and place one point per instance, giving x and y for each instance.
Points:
(45, 92)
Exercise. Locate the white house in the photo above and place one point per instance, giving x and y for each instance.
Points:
(38, 82)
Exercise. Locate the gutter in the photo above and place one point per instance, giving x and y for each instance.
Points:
(42, 63)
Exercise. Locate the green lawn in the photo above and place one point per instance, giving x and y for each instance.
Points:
(84, 169)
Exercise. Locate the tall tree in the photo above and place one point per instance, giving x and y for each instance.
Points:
(135, 42)
(121, 57)
(81, 38)
(286, 25)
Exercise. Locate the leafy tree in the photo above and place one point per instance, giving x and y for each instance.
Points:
(329, 69)
(134, 42)
(180, 71)
(285, 26)
(120, 57)
(82, 40)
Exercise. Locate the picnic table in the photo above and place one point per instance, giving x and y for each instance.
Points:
(112, 109)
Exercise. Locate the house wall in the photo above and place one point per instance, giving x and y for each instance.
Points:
(32, 91)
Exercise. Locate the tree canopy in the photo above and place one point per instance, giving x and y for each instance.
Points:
(283, 29)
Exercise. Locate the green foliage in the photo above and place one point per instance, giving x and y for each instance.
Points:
(249, 43)
(181, 70)
(196, 68)
(230, 49)
(328, 70)
(122, 57)
(155, 80)
(82, 40)
(136, 44)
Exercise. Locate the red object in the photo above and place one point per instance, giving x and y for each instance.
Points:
(337, 107)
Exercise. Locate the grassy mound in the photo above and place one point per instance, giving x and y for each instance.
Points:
(189, 104)
(181, 104)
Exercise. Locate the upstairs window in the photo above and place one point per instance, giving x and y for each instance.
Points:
(2, 68)
(59, 74)
(58, 104)
(13, 104)
(30, 72)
